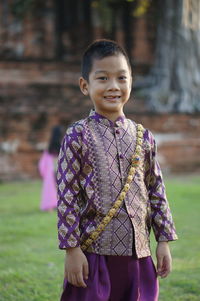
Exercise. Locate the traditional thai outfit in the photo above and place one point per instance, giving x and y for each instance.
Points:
(46, 168)
(93, 164)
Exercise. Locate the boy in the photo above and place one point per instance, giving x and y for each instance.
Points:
(111, 192)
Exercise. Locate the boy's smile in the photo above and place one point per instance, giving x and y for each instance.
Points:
(109, 85)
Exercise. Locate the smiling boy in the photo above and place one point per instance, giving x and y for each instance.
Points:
(111, 192)
(109, 85)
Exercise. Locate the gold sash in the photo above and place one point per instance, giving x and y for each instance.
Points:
(135, 162)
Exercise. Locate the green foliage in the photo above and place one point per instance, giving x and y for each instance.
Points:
(22, 8)
(142, 7)
(32, 266)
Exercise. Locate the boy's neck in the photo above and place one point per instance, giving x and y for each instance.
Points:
(112, 116)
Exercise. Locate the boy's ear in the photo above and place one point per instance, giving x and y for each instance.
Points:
(83, 84)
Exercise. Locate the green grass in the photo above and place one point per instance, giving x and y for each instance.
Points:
(183, 283)
(31, 266)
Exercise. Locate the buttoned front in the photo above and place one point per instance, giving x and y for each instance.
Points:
(93, 165)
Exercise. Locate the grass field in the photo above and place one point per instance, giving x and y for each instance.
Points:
(31, 266)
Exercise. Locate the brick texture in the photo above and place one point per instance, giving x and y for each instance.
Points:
(36, 96)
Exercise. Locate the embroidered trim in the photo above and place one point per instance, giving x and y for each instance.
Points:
(134, 164)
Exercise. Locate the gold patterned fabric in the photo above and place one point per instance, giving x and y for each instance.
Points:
(94, 162)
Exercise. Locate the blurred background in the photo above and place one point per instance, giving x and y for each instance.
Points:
(41, 43)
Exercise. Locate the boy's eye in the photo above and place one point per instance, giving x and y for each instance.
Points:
(122, 77)
(102, 78)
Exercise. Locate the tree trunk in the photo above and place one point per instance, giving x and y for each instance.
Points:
(174, 80)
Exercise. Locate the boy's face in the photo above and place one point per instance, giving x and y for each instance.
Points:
(109, 85)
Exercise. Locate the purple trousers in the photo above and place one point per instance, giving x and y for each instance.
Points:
(116, 278)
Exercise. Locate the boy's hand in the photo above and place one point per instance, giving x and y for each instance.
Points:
(76, 267)
(164, 259)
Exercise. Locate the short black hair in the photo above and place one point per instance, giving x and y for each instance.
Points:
(55, 140)
(98, 50)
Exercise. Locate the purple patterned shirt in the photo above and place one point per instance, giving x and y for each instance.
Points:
(93, 164)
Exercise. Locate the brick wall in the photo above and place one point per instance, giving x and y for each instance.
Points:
(29, 37)
(36, 96)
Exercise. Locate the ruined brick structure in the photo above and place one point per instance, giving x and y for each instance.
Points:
(39, 89)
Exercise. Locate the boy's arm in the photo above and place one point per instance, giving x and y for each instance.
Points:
(161, 218)
(164, 259)
(76, 267)
(68, 175)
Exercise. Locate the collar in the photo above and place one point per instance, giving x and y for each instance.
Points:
(119, 122)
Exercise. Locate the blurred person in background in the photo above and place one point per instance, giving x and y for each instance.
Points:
(47, 168)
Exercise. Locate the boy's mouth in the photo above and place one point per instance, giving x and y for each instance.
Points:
(112, 97)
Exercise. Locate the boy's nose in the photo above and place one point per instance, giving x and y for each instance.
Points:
(113, 85)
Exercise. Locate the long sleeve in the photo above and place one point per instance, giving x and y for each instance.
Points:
(161, 217)
(68, 175)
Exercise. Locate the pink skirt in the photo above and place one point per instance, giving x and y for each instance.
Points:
(116, 278)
